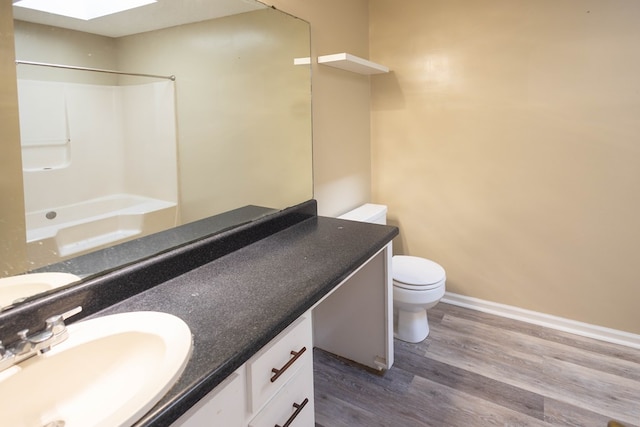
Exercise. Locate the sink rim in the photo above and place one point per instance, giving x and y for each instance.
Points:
(176, 339)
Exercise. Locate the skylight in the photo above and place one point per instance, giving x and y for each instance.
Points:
(82, 9)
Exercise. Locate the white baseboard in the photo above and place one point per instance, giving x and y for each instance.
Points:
(566, 325)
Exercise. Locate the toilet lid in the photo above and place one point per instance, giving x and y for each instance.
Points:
(416, 271)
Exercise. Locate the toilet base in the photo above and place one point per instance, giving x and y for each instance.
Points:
(411, 326)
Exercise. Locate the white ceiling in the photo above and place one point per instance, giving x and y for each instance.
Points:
(163, 14)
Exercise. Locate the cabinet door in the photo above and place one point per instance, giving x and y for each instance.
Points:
(224, 406)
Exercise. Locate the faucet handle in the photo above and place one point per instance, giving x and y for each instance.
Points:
(55, 324)
(55, 330)
(24, 345)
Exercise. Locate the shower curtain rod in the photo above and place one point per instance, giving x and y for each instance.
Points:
(98, 70)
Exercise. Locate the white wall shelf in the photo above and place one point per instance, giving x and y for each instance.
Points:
(346, 61)
(302, 61)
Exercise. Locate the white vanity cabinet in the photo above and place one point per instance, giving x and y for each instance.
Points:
(274, 387)
(223, 406)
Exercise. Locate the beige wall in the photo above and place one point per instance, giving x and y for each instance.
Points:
(505, 142)
(341, 127)
(12, 226)
(43, 43)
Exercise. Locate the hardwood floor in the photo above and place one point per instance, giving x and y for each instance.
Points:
(477, 369)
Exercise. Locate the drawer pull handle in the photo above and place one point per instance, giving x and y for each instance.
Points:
(297, 411)
(278, 372)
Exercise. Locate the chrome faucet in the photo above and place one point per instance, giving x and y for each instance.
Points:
(28, 346)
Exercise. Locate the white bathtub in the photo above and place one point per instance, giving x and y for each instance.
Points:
(63, 232)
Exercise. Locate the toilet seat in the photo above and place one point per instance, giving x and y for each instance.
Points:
(417, 274)
(418, 288)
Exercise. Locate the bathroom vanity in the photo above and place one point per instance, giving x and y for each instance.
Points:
(257, 299)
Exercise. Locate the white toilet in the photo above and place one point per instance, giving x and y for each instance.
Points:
(418, 283)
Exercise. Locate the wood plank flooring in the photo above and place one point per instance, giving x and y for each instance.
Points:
(477, 369)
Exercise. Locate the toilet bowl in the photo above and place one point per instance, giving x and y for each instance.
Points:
(418, 283)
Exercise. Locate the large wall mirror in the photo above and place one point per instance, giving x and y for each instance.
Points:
(208, 112)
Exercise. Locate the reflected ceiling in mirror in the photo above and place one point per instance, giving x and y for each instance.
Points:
(155, 16)
(242, 112)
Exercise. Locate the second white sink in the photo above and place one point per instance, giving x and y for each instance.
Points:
(109, 372)
(25, 285)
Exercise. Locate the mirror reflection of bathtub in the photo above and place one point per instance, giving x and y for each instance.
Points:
(99, 164)
(67, 231)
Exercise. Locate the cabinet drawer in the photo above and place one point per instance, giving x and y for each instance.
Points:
(278, 361)
(293, 404)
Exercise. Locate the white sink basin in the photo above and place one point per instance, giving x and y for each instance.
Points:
(109, 372)
(17, 287)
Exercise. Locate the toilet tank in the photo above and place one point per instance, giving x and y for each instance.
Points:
(376, 214)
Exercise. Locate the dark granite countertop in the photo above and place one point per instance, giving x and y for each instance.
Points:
(236, 304)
